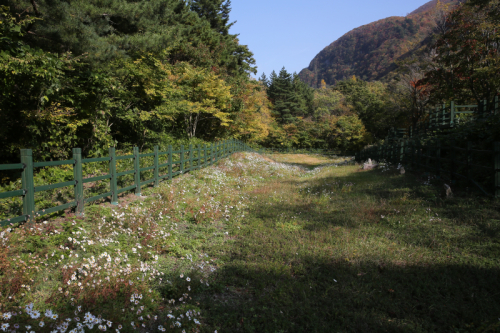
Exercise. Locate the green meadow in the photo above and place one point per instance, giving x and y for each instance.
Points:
(274, 243)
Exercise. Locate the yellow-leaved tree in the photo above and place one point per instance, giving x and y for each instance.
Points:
(201, 95)
(253, 120)
(178, 93)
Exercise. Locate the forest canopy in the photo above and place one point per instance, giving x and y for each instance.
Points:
(125, 73)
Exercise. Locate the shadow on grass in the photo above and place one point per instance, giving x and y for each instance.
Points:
(302, 296)
(399, 197)
(280, 282)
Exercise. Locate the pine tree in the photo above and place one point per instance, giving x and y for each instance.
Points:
(216, 12)
(306, 97)
(285, 98)
(263, 79)
(100, 32)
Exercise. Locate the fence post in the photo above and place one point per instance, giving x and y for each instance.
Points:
(402, 154)
(157, 172)
(137, 174)
(77, 174)
(212, 153)
(28, 184)
(190, 157)
(113, 182)
(497, 169)
(198, 165)
(205, 162)
(216, 156)
(438, 158)
(443, 115)
(181, 163)
(169, 162)
(452, 114)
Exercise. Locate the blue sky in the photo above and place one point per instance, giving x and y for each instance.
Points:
(290, 33)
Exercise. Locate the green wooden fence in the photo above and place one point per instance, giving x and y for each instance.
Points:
(445, 116)
(433, 157)
(189, 159)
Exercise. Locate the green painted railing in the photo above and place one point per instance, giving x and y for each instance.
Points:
(445, 116)
(204, 156)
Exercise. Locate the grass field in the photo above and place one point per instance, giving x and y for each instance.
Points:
(251, 245)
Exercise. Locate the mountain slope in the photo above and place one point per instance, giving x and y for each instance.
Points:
(369, 51)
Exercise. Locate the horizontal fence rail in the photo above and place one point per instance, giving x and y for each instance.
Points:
(450, 160)
(189, 159)
(172, 162)
(445, 116)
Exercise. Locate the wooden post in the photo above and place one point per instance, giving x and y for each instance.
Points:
(181, 164)
(156, 171)
(205, 162)
(113, 182)
(29, 185)
(443, 116)
(169, 162)
(212, 153)
(78, 175)
(497, 169)
(199, 165)
(137, 175)
(190, 157)
(402, 154)
(452, 114)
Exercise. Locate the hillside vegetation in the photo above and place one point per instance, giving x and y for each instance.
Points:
(370, 51)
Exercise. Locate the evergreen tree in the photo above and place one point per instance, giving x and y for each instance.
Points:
(216, 12)
(306, 96)
(283, 95)
(105, 30)
(264, 80)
